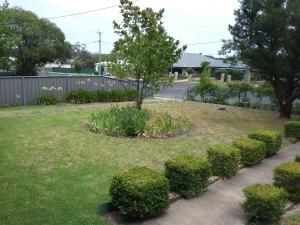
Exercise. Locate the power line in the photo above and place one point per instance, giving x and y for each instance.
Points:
(85, 12)
(204, 43)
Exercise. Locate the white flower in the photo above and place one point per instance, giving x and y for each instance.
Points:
(52, 88)
(59, 88)
(44, 88)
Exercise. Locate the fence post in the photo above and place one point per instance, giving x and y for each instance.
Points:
(23, 91)
(68, 81)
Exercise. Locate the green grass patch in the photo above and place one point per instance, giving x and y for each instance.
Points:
(54, 171)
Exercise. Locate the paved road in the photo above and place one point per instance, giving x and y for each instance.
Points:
(220, 204)
(176, 92)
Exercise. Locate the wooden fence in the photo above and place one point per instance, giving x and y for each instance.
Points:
(24, 90)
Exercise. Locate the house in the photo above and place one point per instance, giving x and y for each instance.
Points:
(193, 60)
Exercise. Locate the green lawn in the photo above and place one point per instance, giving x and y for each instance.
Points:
(53, 170)
(291, 219)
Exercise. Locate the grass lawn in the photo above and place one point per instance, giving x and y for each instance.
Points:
(291, 219)
(53, 170)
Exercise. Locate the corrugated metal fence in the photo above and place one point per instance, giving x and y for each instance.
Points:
(18, 90)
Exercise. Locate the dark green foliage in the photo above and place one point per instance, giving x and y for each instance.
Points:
(241, 90)
(264, 202)
(252, 151)
(287, 175)
(47, 100)
(225, 160)
(272, 139)
(235, 74)
(140, 193)
(81, 96)
(297, 158)
(266, 37)
(120, 121)
(292, 129)
(41, 41)
(117, 95)
(188, 174)
(190, 71)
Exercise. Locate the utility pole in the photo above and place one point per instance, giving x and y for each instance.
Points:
(100, 68)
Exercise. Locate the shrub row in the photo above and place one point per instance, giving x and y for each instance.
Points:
(189, 175)
(292, 129)
(84, 96)
(266, 202)
(47, 100)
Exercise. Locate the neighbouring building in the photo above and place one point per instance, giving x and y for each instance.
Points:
(193, 60)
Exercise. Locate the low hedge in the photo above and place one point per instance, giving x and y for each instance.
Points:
(264, 202)
(272, 139)
(81, 96)
(47, 100)
(140, 193)
(252, 151)
(292, 129)
(117, 95)
(225, 160)
(297, 158)
(188, 174)
(287, 175)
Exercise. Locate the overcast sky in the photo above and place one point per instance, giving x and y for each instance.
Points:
(189, 21)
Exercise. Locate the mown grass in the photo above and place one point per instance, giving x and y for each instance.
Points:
(53, 170)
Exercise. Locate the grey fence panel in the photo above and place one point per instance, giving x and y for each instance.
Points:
(10, 91)
(17, 90)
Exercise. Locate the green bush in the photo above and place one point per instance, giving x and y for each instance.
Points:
(162, 125)
(235, 74)
(272, 139)
(297, 158)
(47, 100)
(252, 151)
(117, 95)
(292, 129)
(264, 202)
(81, 96)
(241, 90)
(140, 193)
(188, 174)
(225, 160)
(120, 121)
(287, 175)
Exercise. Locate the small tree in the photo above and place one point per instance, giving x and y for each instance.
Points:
(266, 36)
(144, 50)
(81, 57)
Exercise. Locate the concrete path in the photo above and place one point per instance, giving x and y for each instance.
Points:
(220, 204)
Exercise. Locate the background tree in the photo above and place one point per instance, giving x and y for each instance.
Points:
(8, 37)
(144, 50)
(266, 36)
(82, 58)
(41, 41)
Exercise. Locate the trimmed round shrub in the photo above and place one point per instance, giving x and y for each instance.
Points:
(252, 151)
(188, 174)
(297, 158)
(287, 175)
(225, 160)
(264, 202)
(140, 193)
(272, 139)
(292, 129)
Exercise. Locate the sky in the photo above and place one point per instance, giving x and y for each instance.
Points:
(189, 21)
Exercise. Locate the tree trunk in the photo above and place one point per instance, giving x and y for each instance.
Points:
(286, 110)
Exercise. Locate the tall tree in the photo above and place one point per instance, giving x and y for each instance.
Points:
(82, 58)
(266, 36)
(8, 37)
(41, 41)
(144, 50)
